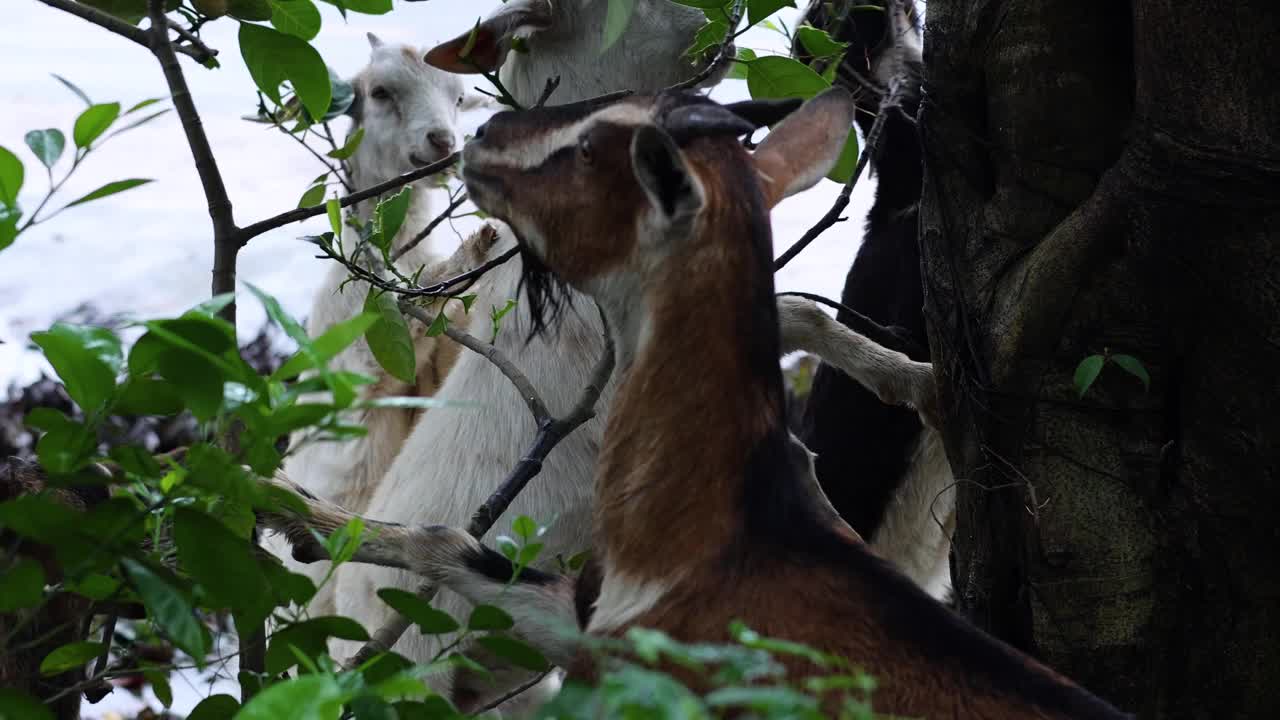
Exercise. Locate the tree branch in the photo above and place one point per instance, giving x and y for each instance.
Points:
(225, 246)
(249, 232)
(195, 49)
(890, 102)
(550, 432)
(417, 239)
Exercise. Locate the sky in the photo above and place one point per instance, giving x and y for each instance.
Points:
(148, 251)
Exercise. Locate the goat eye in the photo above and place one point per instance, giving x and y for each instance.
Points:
(584, 148)
(459, 101)
(380, 93)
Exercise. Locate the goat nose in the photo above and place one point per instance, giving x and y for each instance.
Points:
(480, 131)
(441, 140)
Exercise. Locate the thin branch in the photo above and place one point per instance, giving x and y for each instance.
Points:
(448, 212)
(334, 169)
(225, 246)
(889, 103)
(735, 17)
(95, 693)
(197, 50)
(550, 432)
(249, 232)
(537, 406)
(508, 696)
(191, 41)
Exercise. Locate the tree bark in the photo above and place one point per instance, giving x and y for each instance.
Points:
(1105, 177)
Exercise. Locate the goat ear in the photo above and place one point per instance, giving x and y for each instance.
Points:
(375, 42)
(804, 147)
(764, 112)
(485, 46)
(660, 169)
(692, 121)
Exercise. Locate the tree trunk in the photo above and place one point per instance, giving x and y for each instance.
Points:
(1105, 178)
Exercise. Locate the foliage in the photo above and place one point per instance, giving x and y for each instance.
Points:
(175, 534)
(1089, 368)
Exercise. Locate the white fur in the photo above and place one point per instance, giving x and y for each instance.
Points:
(423, 100)
(646, 58)
(915, 534)
(623, 599)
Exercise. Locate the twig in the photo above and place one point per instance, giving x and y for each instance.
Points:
(735, 16)
(249, 232)
(335, 170)
(550, 432)
(448, 212)
(95, 693)
(225, 246)
(522, 688)
(197, 50)
(890, 102)
(537, 406)
(191, 41)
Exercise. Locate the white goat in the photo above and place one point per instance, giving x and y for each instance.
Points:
(409, 114)
(563, 38)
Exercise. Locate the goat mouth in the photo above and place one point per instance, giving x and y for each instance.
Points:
(418, 160)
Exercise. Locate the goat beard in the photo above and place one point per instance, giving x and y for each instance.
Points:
(547, 295)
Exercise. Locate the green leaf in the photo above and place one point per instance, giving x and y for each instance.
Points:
(438, 325)
(256, 10)
(334, 210)
(67, 444)
(525, 527)
(318, 352)
(428, 619)
(616, 20)
(1086, 372)
(137, 123)
(515, 651)
(772, 701)
(775, 77)
(214, 305)
(223, 564)
(86, 359)
(313, 196)
(1134, 367)
(47, 145)
(368, 7)
(17, 705)
(11, 176)
(848, 160)
(70, 657)
(22, 585)
(388, 336)
(160, 686)
(274, 57)
(299, 18)
(708, 36)
(168, 608)
(276, 312)
(308, 697)
(345, 541)
(702, 4)
(349, 148)
(818, 43)
(488, 617)
(93, 122)
(148, 396)
(9, 218)
(142, 104)
(72, 86)
(110, 188)
(215, 707)
(740, 69)
(389, 216)
(309, 637)
(758, 10)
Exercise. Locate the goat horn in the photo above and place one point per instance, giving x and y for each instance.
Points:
(764, 112)
(693, 121)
